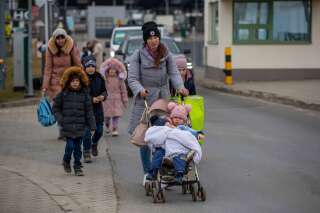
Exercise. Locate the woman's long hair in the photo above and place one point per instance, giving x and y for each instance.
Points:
(161, 52)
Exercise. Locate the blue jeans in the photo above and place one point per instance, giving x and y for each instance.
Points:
(87, 140)
(145, 158)
(73, 145)
(179, 164)
(157, 157)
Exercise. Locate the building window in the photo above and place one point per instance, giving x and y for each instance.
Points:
(272, 21)
(213, 23)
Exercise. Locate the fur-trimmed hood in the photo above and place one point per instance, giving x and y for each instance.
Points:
(114, 64)
(74, 70)
(66, 49)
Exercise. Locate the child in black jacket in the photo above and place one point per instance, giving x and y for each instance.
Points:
(98, 94)
(73, 110)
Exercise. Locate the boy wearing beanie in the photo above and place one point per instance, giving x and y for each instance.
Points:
(98, 93)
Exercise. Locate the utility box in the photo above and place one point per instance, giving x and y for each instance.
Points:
(20, 55)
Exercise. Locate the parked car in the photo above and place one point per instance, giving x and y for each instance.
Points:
(131, 44)
(119, 34)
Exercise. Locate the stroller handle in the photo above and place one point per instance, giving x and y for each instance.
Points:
(145, 103)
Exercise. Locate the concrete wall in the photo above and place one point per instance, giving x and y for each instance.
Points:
(295, 57)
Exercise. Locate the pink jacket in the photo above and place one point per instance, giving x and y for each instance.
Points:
(56, 64)
(117, 99)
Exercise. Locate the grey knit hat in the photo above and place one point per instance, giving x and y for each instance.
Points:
(59, 31)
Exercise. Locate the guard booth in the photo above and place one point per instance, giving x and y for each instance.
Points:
(20, 53)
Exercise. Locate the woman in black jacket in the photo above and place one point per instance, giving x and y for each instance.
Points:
(73, 110)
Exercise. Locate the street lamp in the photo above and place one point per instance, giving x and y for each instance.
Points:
(30, 76)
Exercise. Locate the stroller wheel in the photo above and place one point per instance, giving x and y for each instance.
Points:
(184, 188)
(202, 194)
(148, 188)
(154, 191)
(193, 192)
(161, 196)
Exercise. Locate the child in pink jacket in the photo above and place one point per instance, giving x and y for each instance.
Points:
(117, 100)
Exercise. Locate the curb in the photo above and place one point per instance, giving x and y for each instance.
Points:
(271, 97)
(22, 102)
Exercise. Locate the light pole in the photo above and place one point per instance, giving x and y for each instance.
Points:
(46, 27)
(30, 76)
(2, 43)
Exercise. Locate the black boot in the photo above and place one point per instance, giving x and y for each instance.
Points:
(94, 149)
(87, 157)
(66, 166)
(78, 171)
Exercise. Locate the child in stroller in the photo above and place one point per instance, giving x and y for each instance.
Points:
(178, 143)
(173, 139)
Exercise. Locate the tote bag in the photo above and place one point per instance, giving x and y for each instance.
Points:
(137, 137)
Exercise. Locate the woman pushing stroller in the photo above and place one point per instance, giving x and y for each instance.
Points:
(150, 69)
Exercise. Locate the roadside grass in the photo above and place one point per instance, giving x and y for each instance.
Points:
(8, 94)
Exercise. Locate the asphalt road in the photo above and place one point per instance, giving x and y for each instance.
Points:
(258, 157)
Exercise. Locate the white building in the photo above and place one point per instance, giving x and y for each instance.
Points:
(270, 39)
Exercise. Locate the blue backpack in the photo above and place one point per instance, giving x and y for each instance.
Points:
(45, 114)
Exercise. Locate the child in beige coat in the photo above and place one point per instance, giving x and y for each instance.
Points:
(117, 100)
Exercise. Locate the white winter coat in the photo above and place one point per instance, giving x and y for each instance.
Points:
(174, 141)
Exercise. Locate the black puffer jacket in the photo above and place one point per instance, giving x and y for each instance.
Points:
(73, 110)
(97, 87)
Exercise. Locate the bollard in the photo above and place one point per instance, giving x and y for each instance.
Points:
(228, 66)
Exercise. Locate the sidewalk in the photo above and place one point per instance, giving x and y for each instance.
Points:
(32, 177)
(303, 94)
(15, 187)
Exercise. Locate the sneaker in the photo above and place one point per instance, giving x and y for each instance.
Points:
(87, 157)
(144, 179)
(78, 171)
(115, 133)
(66, 167)
(94, 149)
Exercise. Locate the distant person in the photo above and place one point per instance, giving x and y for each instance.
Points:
(96, 49)
(85, 52)
(98, 94)
(150, 69)
(73, 110)
(61, 53)
(186, 75)
(117, 100)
